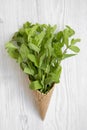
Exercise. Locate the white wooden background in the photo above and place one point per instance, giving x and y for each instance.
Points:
(68, 107)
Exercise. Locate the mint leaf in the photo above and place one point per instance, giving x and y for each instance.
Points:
(35, 85)
(13, 53)
(41, 59)
(12, 50)
(34, 47)
(39, 38)
(57, 50)
(75, 49)
(24, 51)
(70, 31)
(33, 59)
(23, 65)
(74, 41)
(66, 35)
(54, 76)
(29, 71)
(31, 31)
(9, 45)
(68, 55)
(27, 25)
(39, 50)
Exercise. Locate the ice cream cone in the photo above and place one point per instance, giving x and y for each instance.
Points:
(42, 101)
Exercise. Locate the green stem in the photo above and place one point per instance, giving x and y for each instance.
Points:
(66, 49)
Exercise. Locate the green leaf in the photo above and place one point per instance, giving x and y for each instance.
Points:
(29, 71)
(59, 37)
(19, 40)
(54, 28)
(27, 25)
(57, 50)
(47, 70)
(32, 31)
(66, 37)
(34, 47)
(49, 50)
(53, 77)
(19, 60)
(35, 85)
(68, 55)
(13, 53)
(12, 50)
(38, 48)
(68, 32)
(39, 38)
(39, 75)
(71, 32)
(74, 41)
(23, 65)
(24, 51)
(33, 59)
(74, 48)
(9, 45)
(41, 59)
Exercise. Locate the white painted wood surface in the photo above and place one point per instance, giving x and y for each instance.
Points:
(68, 107)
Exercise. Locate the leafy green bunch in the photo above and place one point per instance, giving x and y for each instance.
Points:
(39, 50)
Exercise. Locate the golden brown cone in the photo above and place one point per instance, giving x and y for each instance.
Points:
(42, 101)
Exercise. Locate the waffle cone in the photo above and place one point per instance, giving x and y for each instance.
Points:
(42, 101)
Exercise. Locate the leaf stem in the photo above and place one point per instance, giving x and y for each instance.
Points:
(66, 50)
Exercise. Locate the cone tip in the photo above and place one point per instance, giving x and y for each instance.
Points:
(42, 101)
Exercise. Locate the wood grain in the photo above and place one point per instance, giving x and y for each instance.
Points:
(68, 107)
